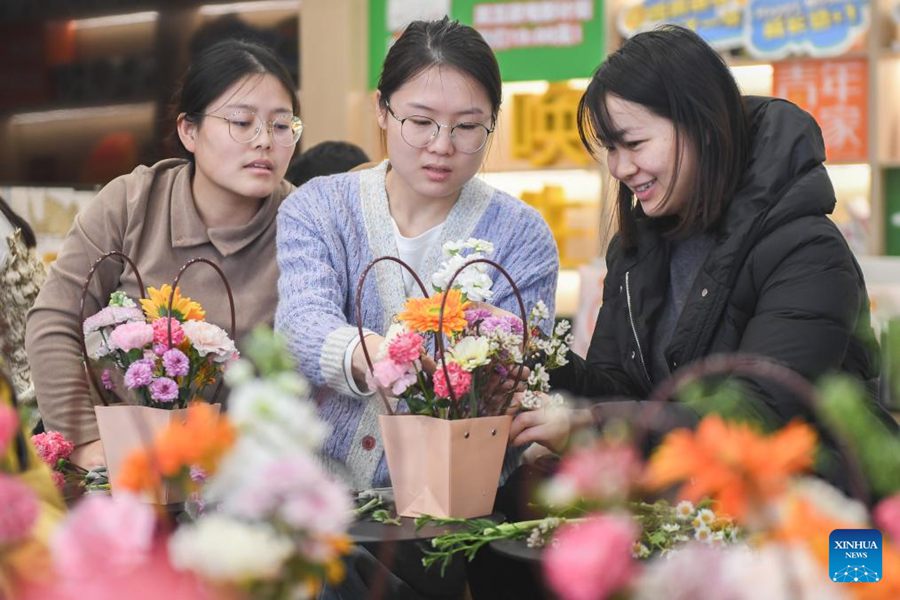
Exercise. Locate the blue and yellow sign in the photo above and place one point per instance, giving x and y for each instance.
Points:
(819, 28)
(768, 29)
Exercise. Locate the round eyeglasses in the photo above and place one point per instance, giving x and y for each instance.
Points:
(245, 126)
(419, 131)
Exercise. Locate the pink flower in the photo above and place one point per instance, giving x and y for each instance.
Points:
(460, 380)
(9, 426)
(603, 471)
(112, 315)
(393, 376)
(207, 338)
(139, 374)
(129, 336)
(52, 446)
(406, 347)
(114, 532)
(591, 560)
(59, 480)
(19, 512)
(106, 380)
(296, 491)
(161, 332)
(175, 363)
(163, 389)
(887, 516)
(107, 546)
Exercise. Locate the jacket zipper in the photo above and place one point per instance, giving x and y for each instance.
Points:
(634, 329)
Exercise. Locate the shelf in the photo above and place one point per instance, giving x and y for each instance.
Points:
(81, 113)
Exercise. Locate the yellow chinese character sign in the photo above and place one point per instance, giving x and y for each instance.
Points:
(545, 129)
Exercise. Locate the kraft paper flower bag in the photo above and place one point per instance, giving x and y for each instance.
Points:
(154, 360)
(445, 449)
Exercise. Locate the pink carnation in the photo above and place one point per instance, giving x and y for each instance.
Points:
(591, 560)
(460, 380)
(393, 376)
(129, 336)
(163, 389)
(9, 425)
(161, 332)
(406, 347)
(887, 517)
(20, 510)
(59, 480)
(52, 447)
(112, 315)
(601, 472)
(175, 363)
(139, 374)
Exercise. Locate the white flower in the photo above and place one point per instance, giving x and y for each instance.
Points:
(540, 311)
(639, 550)
(830, 501)
(670, 527)
(684, 510)
(276, 417)
(562, 328)
(224, 549)
(473, 281)
(471, 352)
(539, 379)
(238, 372)
(531, 400)
(703, 534)
(210, 339)
(706, 517)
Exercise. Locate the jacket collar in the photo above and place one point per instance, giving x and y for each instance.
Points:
(188, 229)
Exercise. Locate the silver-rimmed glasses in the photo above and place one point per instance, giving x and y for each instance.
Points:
(418, 131)
(245, 126)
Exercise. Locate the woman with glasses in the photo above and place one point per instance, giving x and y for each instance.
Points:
(237, 128)
(437, 103)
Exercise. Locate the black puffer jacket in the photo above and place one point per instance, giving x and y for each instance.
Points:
(780, 282)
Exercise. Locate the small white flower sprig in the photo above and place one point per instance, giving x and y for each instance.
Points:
(545, 354)
(474, 282)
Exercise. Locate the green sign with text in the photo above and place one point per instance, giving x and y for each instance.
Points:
(533, 39)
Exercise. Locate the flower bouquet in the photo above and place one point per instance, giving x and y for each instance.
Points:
(163, 354)
(456, 406)
(726, 510)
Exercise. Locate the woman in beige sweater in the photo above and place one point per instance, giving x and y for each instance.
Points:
(238, 128)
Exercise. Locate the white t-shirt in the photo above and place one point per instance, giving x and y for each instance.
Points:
(412, 251)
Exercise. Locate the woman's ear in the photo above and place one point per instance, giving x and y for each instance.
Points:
(187, 131)
(380, 110)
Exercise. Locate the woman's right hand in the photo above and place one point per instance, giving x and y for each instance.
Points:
(359, 368)
(89, 456)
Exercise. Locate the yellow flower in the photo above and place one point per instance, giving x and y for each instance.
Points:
(421, 314)
(183, 308)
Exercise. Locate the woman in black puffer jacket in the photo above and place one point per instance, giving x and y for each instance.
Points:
(724, 242)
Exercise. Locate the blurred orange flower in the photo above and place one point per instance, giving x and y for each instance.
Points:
(731, 462)
(200, 441)
(421, 314)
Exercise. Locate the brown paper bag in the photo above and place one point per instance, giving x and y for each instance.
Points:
(125, 428)
(444, 468)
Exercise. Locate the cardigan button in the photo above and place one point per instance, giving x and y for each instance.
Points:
(368, 442)
(704, 292)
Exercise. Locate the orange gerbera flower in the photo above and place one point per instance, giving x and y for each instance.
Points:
(731, 462)
(201, 440)
(183, 308)
(421, 314)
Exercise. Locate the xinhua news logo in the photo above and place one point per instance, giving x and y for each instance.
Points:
(854, 555)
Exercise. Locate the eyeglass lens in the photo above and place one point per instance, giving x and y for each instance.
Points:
(419, 131)
(245, 126)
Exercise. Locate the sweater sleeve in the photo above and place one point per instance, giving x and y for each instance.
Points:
(52, 337)
(313, 288)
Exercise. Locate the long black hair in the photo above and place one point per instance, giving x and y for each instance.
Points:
(424, 44)
(18, 223)
(674, 74)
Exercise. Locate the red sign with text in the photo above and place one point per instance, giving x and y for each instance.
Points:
(835, 93)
